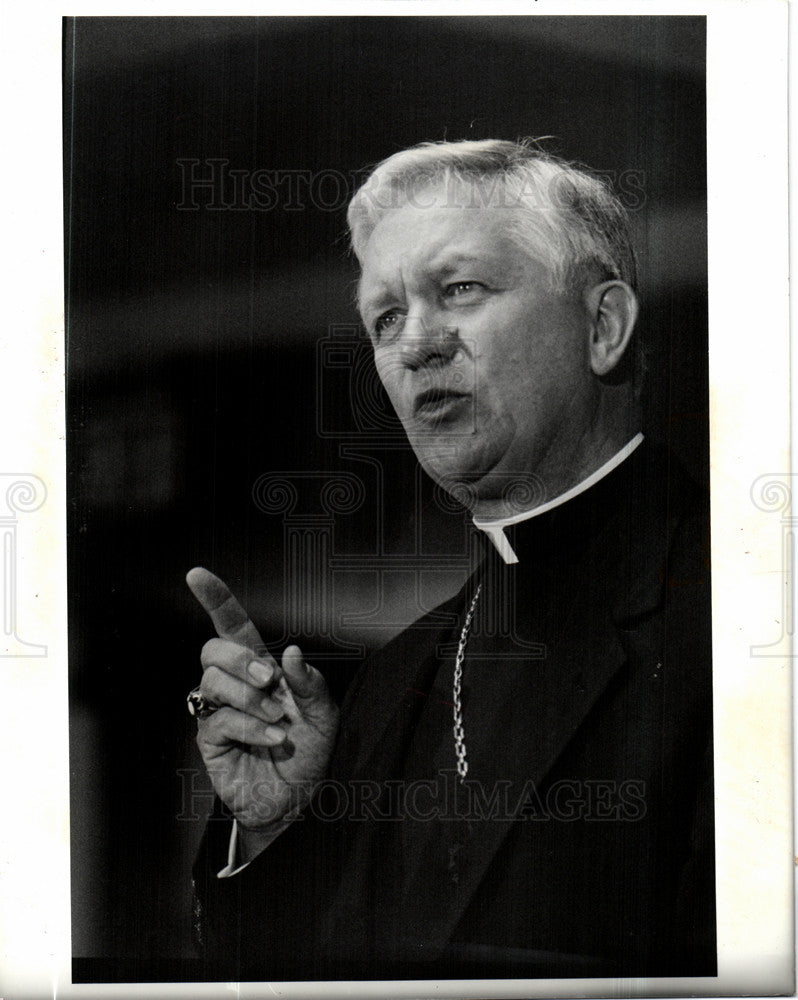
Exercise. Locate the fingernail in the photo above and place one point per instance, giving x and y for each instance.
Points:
(259, 673)
(302, 661)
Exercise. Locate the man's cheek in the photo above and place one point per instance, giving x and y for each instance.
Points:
(389, 375)
(399, 400)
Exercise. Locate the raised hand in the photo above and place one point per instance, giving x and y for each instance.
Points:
(270, 742)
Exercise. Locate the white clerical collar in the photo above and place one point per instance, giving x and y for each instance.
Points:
(494, 529)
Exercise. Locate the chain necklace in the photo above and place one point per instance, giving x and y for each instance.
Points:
(459, 732)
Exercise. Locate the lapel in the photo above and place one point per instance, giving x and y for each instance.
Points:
(377, 717)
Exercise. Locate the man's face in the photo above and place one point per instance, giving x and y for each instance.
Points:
(486, 365)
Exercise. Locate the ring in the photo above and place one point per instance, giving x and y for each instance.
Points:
(199, 706)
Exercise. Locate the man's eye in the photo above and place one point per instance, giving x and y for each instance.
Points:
(384, 323)
(457, 289)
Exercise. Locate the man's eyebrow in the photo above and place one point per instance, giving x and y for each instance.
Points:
(449, 259)
(446, 263)
(458, 256)
(380, 290)
(368, 302)
(362, 297)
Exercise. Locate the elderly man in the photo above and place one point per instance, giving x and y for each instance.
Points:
(526, 792)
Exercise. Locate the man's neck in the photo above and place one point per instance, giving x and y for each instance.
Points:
(562, 469)
(494, 527)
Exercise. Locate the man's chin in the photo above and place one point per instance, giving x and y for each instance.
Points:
(473, 478)
(461, 479)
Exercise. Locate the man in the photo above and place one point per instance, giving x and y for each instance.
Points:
(527, 792)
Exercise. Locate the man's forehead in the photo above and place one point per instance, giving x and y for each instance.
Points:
(437, 235)
(431, 210)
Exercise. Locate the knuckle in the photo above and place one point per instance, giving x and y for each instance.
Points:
(226, 654)
(270, 711)
(210, 653)
(210, 683)
(255, 702)
(220, 722)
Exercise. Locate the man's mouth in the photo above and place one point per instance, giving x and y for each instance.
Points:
(435, 404)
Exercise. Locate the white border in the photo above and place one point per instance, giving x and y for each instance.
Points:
(747, 116)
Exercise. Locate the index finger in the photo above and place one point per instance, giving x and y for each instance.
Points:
(228, 617)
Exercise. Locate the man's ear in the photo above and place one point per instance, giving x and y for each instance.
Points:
(612, 308)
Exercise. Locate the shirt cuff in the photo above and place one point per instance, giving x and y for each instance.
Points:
(229, 868)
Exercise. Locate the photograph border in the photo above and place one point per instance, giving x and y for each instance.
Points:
(752, 526)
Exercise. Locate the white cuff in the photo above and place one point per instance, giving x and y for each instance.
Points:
(228, 869)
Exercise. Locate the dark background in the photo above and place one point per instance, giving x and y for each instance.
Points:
(199, 361)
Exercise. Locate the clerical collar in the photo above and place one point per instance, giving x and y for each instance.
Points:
(494, 529)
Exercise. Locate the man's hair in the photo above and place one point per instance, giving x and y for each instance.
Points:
(571, 220)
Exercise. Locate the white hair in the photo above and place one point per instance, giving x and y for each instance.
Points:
(571, 220)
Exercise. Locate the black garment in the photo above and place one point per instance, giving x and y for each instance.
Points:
(581, 843)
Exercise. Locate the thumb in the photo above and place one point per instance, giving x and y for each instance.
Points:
(305, 681)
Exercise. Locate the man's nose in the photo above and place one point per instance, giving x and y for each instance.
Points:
(427, 342)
